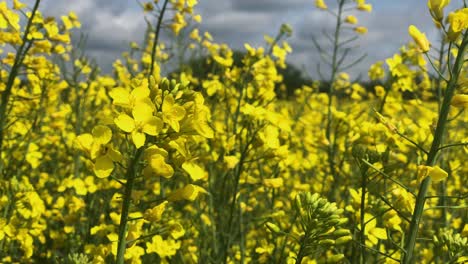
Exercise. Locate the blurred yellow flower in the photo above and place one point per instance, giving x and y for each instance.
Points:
(436, 173)
(436, 8)
(321, 4)
(351, 19)
(360, 30)
(460, 100)
(419, 38)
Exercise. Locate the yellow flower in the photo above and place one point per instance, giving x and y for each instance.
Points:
(18, 5)
(194, 170)
(321, 4)
(273, 182)
(436, 173)
(143, 122)
(363, 6)
(154, 214)
(372, 232)
(458, 22)
(172, 112)
(156, 158)
(351, 19)
(360, 30)
(379, 91)
(436, 8)
(419, 38)
(460, 100)
(97, 146)
(164, 248)
(376, 71)
(189, 192)
(148, 7)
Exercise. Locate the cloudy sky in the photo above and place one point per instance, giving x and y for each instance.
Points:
(111, 25)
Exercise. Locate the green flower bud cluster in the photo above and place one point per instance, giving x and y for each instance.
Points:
(77, 258)
(321, 223)
(455, 244)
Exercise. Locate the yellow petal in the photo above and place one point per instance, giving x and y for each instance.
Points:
(189, 192)
(196, 172)
(154, 214)
(142, 112)
(125, 123)
(178, 112)
(379, 233)
(120, 97)
(138, 139)
(84, 142)
(103, 166)
(154, 150)
(460, 100)
(160, 167)
(102, 134)
(419, 38)
(273, 182)
(437, 174)
(153, 126)
(140, 92)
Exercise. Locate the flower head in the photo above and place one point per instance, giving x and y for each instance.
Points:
(419, 38)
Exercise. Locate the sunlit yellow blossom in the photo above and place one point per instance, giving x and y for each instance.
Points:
(18, 5)
(172, 112)
(458, 22)
(435, 172)
(143, 122)
(363, 6)
(419, 38)
(194, 170)
(460, 100)
(273, 182)
(164, 248)
(372, 232)
(156, 158)
(351, 19)
(321, 4)
(154, 214)
(361, 30)
(376, 71)
(436, 8)
(189, 192)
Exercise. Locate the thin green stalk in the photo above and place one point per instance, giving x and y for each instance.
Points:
(331, 152)
(20, 55)
(130, 176)
(431, 159)
(283, 246)
(363, 170)
(156, 37)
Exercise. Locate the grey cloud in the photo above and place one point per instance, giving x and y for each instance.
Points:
(267, 5)
(110, 27)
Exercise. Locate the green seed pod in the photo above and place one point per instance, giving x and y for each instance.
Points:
(298, 203)
(341, 232)
(343, 240)
(335, 258)
(273, 228)
(326, 242)
(165, 85)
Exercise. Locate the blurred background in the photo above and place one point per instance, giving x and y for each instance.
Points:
(111, 25)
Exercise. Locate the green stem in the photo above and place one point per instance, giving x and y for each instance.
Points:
(20, 55)
(130, 176)
(331, 150)
(156, 38)
(363, 170)
(431, 157)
